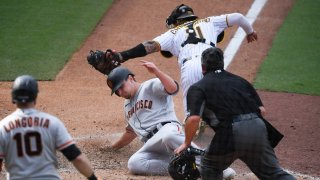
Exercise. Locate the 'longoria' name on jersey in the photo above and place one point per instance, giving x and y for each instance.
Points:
(27, 122)
(141, 104)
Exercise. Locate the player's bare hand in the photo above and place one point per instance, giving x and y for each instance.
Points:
(106, 148)
(252, 37)
(151, 67)
(180, 148)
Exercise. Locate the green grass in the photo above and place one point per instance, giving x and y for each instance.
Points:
(39, 36)
(293, 63)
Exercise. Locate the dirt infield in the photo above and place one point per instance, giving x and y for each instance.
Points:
(80, 97)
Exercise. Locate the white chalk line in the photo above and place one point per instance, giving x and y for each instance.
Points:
(105, 136)
(239, 36)
(235, 43)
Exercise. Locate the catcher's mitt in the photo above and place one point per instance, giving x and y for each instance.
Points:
(104, 62)
(183, 165)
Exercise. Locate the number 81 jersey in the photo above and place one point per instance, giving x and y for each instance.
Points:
(28, 142)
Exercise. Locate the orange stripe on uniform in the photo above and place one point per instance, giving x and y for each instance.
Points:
(66, 144)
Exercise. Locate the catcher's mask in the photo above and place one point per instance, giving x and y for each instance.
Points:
(181, 12)
(117, 77)
(24, 89)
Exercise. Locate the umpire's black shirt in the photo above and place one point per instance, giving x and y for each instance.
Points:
(227, 95)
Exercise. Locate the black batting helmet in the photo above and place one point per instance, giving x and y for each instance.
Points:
(116, 78)
(180, 12)
(24, 89)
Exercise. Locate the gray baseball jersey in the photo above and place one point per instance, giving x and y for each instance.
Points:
(28, 142)
(189, 56)
(150, 106)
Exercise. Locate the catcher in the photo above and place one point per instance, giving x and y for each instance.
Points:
(186, 38)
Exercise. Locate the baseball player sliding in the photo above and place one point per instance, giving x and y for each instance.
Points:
(29, 138)
(187, 37)
(150, 116)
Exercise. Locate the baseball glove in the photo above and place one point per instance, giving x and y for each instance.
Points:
(104, 62)
(183, 165)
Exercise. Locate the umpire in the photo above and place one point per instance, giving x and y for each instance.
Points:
(242, 133)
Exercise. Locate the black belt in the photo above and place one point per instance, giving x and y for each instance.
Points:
(155, 130)
(244, 117)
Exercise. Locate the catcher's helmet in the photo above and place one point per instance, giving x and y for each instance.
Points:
(116, 78)
(180, 12)
(24, 89)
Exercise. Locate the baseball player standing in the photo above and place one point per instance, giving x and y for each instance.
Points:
(150, 116)
(187, 38)
(29, 138)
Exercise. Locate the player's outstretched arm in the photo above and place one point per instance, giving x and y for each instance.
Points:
(140, 50)
(169, 84)
(151, 46)
(242, 21)
(127, 137)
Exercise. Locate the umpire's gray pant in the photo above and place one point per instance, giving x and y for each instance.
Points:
(252, 147)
